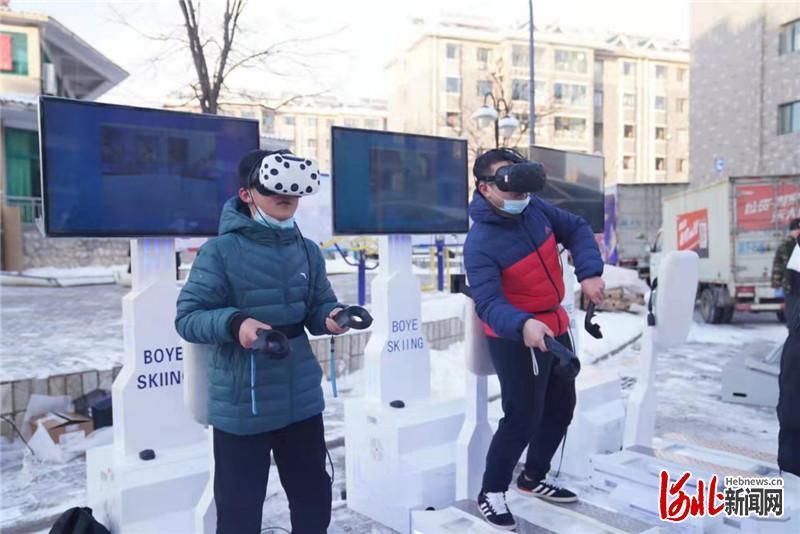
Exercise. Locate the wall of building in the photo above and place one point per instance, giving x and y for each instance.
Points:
(738, 81)
(19, 84)
(422, 70)
(66, 252)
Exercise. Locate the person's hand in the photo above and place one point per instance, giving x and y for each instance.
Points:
(593, 289)
(331, 325)
(533, 333)
(248, 332)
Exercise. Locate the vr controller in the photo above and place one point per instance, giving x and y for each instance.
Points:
(565, 363)
(354, 317)
(592, 328)
(523, 177)
(273, 343)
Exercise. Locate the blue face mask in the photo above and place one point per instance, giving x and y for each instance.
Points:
(515, 207)
(271, 222)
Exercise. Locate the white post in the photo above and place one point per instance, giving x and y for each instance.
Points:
(147, 396)
(640, 420)
(397, 357)
(474, 438)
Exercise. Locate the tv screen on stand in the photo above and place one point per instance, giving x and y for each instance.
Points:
(393, 183)
(120, 171)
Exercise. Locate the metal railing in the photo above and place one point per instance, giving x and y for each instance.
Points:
(31, 207)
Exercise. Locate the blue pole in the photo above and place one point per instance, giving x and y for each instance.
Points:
(440, 264)
(333, 367)
(362, 278)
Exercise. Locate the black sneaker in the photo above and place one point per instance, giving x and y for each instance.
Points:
(544, 490)
(494, 510)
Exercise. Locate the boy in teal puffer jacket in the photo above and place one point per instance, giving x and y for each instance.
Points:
(262, 274)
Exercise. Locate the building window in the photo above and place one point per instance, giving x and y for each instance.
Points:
(628, 163)
(661, 72)
(248, 114)
(14, 53)
(569, 94)
(570, 127)
(268, 123)
(453, 85)
(519, 56)
(629, 131)
(629, 100)
(372, 124)
(661, 164)
(570, 61)
(789, 118)
(22, 168)
(452, 50)
(660, 103)
(312, 122)
(629, 69)
(483, 55)
(681, 104)
(288, 121)
(311, 144)
(661, 133)
(484, 87)
(681, 74)
(598, 98)
(453, 119)
(683, 166)
(789, 38)
(519, 89)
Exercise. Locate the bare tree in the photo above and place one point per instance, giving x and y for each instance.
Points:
(218, 52)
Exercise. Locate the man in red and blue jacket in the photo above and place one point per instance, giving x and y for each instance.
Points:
(514, 272)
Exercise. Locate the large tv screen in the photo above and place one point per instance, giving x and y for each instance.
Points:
(393, 183)
(575, 183)
(119, 171)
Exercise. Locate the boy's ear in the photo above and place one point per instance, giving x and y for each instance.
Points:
(245, 196)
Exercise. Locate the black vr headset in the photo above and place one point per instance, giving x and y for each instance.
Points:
(522, 176)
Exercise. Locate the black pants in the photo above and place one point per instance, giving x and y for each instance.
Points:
(536, 413)
(241, 472)
(789, 396)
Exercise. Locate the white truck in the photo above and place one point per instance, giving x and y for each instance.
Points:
(632, 220)
(735, 226)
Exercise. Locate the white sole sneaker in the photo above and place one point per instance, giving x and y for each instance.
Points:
(499, 527)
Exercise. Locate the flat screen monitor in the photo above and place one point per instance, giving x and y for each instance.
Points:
(575, 183)
(393, 183)
(119, 171)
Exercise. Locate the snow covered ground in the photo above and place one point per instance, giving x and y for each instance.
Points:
(689, 407)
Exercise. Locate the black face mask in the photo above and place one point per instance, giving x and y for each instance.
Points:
(524, 177)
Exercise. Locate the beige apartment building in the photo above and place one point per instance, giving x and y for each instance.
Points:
(622, 96)
(745, 72)
(303, 125)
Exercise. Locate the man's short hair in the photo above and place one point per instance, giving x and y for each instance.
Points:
(484, 162)
(794, 225)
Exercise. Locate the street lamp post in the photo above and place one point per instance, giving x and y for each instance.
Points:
(486, 115)
(531, 88)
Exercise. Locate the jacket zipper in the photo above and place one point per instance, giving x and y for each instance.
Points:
(253, 382)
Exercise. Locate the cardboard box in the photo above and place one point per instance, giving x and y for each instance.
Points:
(64, 428)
